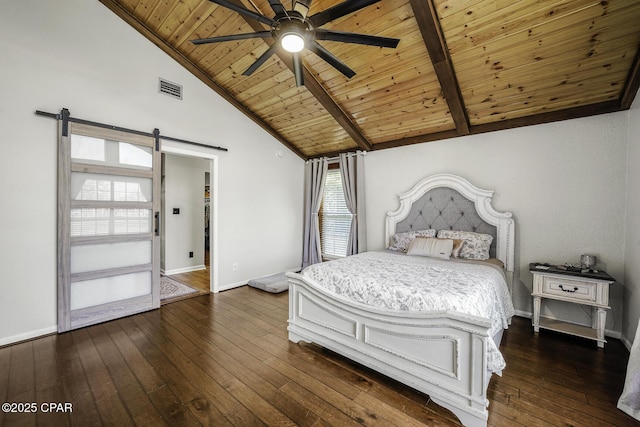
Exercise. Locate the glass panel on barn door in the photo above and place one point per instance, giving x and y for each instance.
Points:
(108, 241)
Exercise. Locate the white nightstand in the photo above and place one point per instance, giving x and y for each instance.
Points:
(590, 289)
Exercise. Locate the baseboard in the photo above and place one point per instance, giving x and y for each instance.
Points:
(183, 270)
(244, 282)
(231, 286)
(28, 336)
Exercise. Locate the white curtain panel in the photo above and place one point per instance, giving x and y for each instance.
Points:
(352, 168)
(315, 172)
(629, 401)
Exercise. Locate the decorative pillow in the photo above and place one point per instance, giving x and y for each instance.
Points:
(401, 240)
(476, 245)
(431, 247)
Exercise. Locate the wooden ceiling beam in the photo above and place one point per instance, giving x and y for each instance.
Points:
(427, 18)
(317, 90)
(632, 84)
(121, 12)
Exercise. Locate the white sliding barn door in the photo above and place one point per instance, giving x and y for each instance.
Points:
(108, 219)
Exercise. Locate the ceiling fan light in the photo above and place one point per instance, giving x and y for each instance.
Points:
(292, 42)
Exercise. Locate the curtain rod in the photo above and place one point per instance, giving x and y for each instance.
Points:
(333, 159)
(65, 117)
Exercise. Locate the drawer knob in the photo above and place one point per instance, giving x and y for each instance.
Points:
(575, 288)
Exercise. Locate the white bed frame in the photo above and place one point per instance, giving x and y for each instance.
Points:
(443, 354)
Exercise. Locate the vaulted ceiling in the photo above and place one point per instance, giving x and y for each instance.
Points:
(462, 67)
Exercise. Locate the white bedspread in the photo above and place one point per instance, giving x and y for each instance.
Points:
(401, 282)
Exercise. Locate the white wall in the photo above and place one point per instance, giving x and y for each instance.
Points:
(632, 241)
(564, 183)
(183, 182)
(77, 54)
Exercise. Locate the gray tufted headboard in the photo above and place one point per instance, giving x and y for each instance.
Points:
(444, 208)
(448, 201)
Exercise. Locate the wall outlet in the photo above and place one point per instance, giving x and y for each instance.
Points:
(235, 266)
(190, 254)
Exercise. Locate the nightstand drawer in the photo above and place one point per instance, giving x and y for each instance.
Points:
(567, 288)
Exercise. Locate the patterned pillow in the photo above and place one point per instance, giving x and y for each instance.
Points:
(401, 240)
(476, 245)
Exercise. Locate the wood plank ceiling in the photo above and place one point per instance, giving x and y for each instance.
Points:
(462, 67)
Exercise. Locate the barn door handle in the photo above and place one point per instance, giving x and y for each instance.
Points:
(157, 223)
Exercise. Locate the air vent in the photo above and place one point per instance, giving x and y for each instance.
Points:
(171, 89)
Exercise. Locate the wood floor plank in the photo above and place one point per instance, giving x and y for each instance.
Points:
(176, 384)
(96, 372)
(363, 415)
(131, 394)
(113, 412)
(228, 354)
(21, 370)
(250, 371)
(175, 413)
(74, 382)
(49, 385)
(5, 359)
(258, 405)
(392, 414)
(143, 370)
(225, 360)
(21, 385)
(198, 401)
(195, 375)
(18, 418)
(330, 413)
(170, 374)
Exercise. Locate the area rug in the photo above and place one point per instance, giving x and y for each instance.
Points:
(170, 288)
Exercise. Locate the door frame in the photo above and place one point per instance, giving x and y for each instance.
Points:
(183, 149)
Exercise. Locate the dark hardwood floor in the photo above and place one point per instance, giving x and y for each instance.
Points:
(224, 359)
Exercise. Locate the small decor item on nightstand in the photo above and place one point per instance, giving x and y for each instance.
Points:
(588, 261)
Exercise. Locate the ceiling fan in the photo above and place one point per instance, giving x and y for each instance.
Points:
(294, 31)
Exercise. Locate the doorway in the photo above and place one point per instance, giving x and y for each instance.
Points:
(200, 211)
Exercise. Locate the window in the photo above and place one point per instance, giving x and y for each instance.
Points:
(335, 222)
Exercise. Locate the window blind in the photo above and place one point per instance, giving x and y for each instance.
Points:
(336, 218)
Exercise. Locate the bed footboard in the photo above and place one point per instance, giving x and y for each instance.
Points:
(442, 354)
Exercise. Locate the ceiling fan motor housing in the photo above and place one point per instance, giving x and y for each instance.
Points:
(294, 25)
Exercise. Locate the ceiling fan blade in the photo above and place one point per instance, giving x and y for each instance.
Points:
(302, 7)
(339, 11)
(267, 53)
(331, 59)
(277, 7)
(297, 69)
(341, 36)
(259, 34)
(246, 12)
